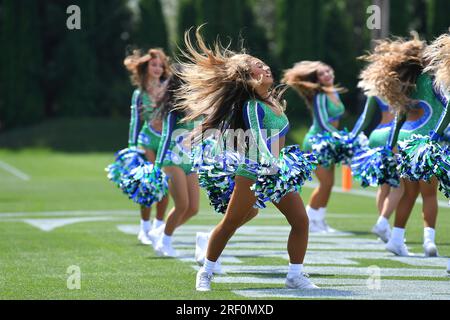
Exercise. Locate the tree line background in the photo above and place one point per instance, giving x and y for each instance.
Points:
(48, 71)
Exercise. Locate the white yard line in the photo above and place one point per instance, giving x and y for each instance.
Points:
(14, 171)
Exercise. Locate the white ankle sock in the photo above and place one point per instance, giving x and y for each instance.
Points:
(322, 213)
(294, 270)
(166, 240)
(398, 235)
(157, 223)
(146, 225)
(428, 235)
(382, 222)
(313, 214)
(208, 266)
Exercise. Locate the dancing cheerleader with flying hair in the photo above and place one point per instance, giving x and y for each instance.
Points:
(314, 82)
(377, 165)
(148, 74)
(397, 73)
(233, 92)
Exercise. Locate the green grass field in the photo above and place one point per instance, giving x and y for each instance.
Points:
(69, 214)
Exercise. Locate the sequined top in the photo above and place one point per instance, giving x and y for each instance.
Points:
(325, 111)
(142, 110)
(266, 128)
(432, 103)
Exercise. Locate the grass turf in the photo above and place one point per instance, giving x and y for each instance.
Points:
(34, 263)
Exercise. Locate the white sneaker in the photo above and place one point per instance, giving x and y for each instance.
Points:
(203, 280)
(201, 244)
(154, 235)
(163, 250)
(430, 249)
(324, 227)
(399, 249)
(300, 282)
(383, 233)
(143, 238)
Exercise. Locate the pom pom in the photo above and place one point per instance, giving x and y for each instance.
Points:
(126, 160)
(145, 184)
(287, 174)
(442, 172)
(337, 147)
(216, 173)
(420, 158)
(377, 166)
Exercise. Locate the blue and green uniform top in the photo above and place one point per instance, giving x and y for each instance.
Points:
(171, 150)
(325, 111)
(142, 112)
(380, 136)
(266, 128)
(435, 107)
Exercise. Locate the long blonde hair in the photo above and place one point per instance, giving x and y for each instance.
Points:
(137, 65)
(217, 83)
(393, 68)
(303, 78)
(438, 57)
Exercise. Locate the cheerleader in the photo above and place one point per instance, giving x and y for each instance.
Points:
(397, 74)
(438, 56)
(174, 157)
(314, 81)
(148, 74)
(381, 139)
(233, 91)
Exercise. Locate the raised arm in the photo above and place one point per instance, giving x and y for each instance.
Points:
(321, 114)
(135, 119)
(166, 136)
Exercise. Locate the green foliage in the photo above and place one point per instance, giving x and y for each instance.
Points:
(224, 19)
(151, 30)
(438, 17)
(49, 71)
(21, 63)
(187, 18)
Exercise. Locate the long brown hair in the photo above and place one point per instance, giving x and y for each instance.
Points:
(438, 57)
(217, 83)
(303, 77)
(393, 69)
(137, 65)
